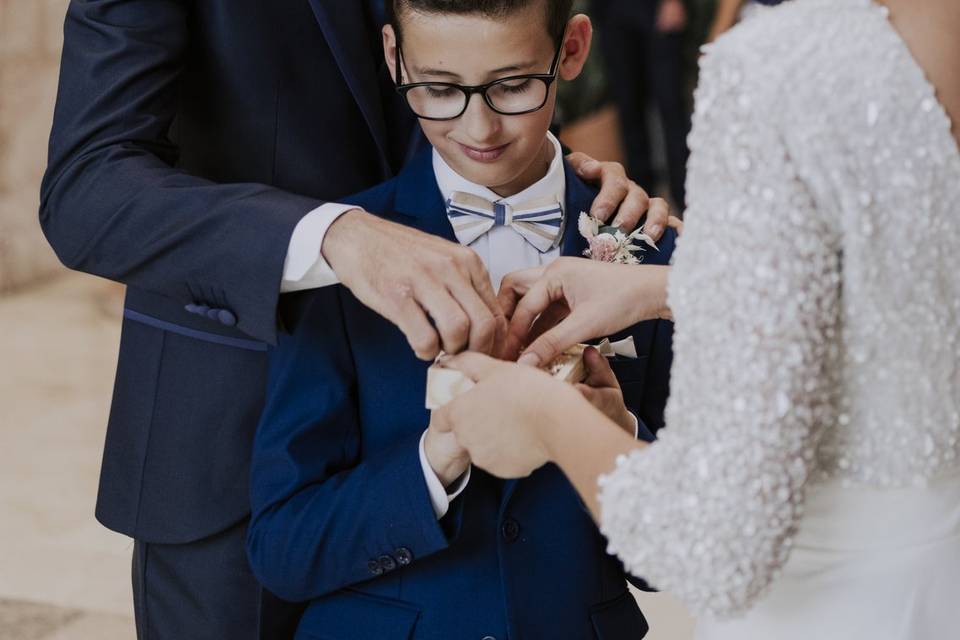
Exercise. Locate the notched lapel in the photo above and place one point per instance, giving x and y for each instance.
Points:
(579, 198)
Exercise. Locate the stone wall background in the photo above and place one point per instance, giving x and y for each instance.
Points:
(31, 38)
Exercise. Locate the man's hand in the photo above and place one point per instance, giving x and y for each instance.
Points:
(620, 195)
(602, 390)
(447, 458)
(437, 292)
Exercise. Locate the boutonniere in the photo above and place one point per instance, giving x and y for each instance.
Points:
(611, 244)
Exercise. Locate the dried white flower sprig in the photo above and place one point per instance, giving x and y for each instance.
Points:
(611, 244)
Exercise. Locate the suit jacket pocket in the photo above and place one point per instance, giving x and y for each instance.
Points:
(629, 370)
(350, 615)
(618, 618)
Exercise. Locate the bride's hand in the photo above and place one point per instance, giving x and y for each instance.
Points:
(573, 300)
(505, 420)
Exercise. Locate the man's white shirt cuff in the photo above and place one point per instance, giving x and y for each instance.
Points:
(304, 266)
(440, 497)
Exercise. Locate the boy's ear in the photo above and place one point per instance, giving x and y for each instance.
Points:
(576, 47)
(390, 50)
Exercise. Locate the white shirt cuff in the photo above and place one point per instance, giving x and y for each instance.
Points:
(304, 266)
(440, 497)
(636, 424)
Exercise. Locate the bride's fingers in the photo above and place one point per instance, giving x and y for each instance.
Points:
(551, 317)
(573, 329)
(540, 297)
(514, 286)
(475, 366)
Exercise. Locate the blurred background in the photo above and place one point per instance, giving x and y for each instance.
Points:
(62, 575)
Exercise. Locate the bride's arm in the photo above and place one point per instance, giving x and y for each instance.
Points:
(707, 512)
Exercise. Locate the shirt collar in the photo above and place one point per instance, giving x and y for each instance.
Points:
(552, 184)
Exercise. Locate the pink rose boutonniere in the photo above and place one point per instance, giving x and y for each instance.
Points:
(611, 244)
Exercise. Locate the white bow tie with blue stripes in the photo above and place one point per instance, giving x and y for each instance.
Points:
(540, 222)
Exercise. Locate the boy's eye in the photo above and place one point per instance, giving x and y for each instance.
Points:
(515, 86)
(440, 91)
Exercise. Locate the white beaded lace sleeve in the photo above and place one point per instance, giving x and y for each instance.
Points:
(707, 511)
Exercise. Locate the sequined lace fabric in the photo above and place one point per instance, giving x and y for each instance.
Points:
(816, 293)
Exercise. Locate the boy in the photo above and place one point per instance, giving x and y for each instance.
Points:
(358, 506)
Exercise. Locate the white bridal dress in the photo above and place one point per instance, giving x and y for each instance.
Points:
(807, 485)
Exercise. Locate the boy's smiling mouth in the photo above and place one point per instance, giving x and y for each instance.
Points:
(486, 154)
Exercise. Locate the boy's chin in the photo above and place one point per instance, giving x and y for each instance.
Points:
(490, 176)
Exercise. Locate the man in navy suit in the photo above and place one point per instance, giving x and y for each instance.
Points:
(196, 151)
(360, 507)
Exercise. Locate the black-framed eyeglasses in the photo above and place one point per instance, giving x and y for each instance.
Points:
(510, 96)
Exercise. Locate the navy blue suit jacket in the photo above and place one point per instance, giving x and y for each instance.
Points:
(188, 141)
(341, 513)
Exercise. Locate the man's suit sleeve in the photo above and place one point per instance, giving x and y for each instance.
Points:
(112, 203)
(323, 517)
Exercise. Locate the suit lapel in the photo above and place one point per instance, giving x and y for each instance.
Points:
(346, 31)
(579, 198)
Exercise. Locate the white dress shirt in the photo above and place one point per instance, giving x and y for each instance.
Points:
(502, 250)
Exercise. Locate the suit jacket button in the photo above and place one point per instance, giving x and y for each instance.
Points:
(226, 317)
(192, 308)
(212, 313)
(374, 567)
(489, 638)
(510, 529)
(403, 556)
(387, 563)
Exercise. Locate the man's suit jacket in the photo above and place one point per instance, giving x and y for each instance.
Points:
(189, 139)
(341, 513)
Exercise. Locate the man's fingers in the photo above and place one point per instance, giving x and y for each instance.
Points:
(658, 217)
(614, 188)
(413, 322)
(585, 166)
(599, 372)
(451, 321)
(482, 323)
(632, 209)
(676, 224)
(480, 279)
(475, 366)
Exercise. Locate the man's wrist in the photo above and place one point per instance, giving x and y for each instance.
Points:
(338, 239)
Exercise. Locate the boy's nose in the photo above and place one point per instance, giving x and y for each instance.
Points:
(480, 121)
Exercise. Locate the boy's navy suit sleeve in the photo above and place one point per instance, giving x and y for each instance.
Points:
(113, 204)
(325, 517)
